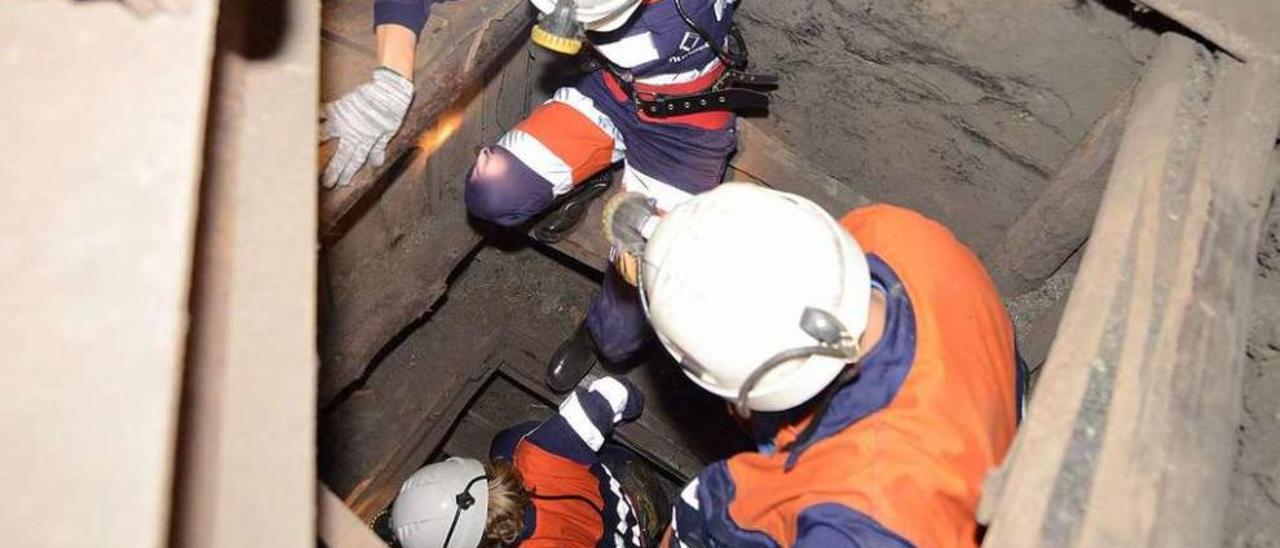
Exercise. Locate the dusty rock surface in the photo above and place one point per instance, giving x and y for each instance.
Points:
(959, 109)
(1253, 513)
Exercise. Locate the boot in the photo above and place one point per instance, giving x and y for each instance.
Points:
(572, 361)
(650, 500)
(571, 209)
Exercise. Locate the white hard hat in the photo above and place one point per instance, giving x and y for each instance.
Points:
(442, 505)
(597, 15)
(730, 275)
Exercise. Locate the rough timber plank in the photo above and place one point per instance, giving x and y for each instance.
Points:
(460, 46)
(1035, 349)
(338, 526)
(1249, 29)
(378, 489)
(246, 461)
(1131, 433)
(103, 117)
(1058, 222)
(764, 158)
(389, 269)
(394, 261)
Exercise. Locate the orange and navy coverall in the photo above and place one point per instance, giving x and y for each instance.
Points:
(565, 463)
(899, 456)
(593, 124)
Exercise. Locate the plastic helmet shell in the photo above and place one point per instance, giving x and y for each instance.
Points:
(427, 502)
(597, 15)
(728, 275)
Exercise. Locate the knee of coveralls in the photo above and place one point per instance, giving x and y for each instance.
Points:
(504, 443)
(616, 319)
(503, 190)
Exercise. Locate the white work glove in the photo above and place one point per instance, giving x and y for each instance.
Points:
(625, 400)
(364, 121)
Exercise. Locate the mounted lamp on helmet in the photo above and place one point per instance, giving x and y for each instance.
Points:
(760, 295)
(560, 27)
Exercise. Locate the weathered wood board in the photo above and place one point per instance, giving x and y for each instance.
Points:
(103, 117)
(1058, 222)
(421, 433)
(764, 158)
(394, 261)
(339, 527)
(1130, 437)
(1246, 28)
(246, 459)
(457, 51)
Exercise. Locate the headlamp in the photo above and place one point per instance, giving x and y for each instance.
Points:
(560, 31)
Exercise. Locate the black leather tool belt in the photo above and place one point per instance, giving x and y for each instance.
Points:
(735, 91)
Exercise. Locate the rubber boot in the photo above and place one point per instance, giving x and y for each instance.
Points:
(572, 361)
(571, 209)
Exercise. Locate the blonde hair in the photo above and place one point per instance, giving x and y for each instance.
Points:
(507, 501)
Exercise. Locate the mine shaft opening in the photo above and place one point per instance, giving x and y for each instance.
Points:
(436, 328)
(471, 363)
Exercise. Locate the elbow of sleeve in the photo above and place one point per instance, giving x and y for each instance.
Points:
(411, 15)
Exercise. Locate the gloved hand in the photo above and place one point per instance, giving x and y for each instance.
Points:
(364, 121)
(624, 398)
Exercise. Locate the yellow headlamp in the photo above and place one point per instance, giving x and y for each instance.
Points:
(560, 31)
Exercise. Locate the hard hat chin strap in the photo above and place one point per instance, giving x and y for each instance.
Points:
(849, 373)
(834, 340)
(464, 501)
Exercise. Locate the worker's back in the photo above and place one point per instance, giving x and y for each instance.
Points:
(901, 453)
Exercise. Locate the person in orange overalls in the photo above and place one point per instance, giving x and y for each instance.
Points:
(557, 482)
(872, 355)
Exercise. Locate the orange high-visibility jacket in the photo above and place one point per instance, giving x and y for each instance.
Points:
(575, 499)
(900, 455)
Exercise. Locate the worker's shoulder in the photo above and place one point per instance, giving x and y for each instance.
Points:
(883, 223)
(912, 244)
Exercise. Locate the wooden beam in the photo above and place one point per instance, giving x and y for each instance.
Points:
(1058, 222)
(763, 157)
(456, 52)
(389, 270)
(1130, 437)
(1246, 28)
(338, 526)
(1045, 329)
(378, 489)
(104, 115)
(394, 262)
(246, 460)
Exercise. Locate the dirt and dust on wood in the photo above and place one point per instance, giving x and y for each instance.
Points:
(1253, 513)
